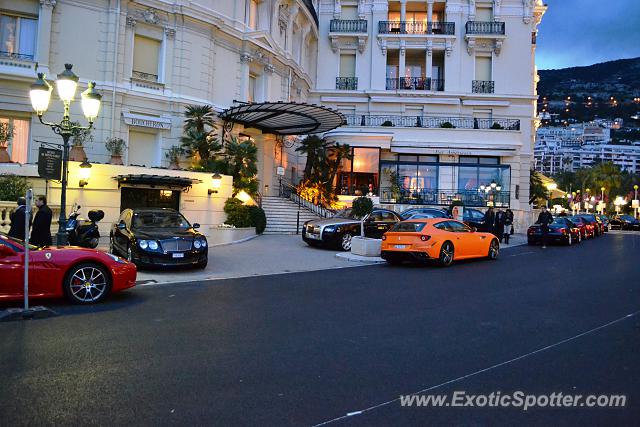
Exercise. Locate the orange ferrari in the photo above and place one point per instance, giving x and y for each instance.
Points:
(441, 239)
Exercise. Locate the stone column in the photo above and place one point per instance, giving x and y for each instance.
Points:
(429, 11)
(403, 10)
(429, 59)
(245, 60)
(401, 62)
(44, 35)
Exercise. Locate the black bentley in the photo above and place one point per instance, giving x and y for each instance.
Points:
(158, 237)
(338, 230)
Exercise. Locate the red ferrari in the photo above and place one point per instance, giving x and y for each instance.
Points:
(84, 276)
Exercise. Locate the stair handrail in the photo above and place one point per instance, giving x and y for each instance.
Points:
(289, 191)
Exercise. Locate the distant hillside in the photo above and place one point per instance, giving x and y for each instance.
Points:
(620, 78)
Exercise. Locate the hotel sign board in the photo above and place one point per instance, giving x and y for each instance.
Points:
(50, 163)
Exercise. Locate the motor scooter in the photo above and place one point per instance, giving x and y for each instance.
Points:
(82, 232)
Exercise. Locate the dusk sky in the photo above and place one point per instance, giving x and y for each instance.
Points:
(585, 32)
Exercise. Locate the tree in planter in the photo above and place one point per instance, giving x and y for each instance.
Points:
(387, 123)
(496, 125)
(12, 187)
(447, 125)
(79, 137)
(173, 154)
(241, 216)
(115, 146)
(393, 180)
(199, 133)
(242, 160)
(313, 147)
(6, 133)
(360, 208)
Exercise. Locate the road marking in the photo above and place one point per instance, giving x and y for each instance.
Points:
(490, 368)
(523, 253)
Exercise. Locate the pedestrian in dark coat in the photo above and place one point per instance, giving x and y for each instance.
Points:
(41, 230)
(498, 225)
(17, 220)
(508, 225)
(544, 219)
(489, 220)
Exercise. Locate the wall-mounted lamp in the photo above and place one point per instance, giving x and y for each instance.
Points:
(85, 173)
(216, 182)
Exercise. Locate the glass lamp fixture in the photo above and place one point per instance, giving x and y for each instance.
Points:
(216, 182)
(493, 185)
(498, 188)
(85, 173)
(40, 95)
(66, 84)
(91, 102)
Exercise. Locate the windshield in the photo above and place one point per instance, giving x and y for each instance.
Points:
(19, 242)
(627, 217)
(159, 220)
(410, 227)
(345, 213)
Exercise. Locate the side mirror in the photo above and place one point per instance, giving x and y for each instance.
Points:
(121, 225)
(196, 225)
(6, 251)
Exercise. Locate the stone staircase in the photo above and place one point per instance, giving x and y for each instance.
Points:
(282, 215)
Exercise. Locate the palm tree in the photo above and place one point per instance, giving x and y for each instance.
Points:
(312, 146)
(336, 154)
(199, 117)
(609, 176)
(537, 190)
(199, 126)
(242, 158)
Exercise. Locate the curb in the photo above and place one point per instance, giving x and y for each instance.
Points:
(348, 256)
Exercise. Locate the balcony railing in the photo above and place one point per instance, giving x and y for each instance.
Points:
(348, 26)
(14, 55)
(443, 196)
(413, 27)
(485, 27)
(144, 76)
(346, 83)
(482, 86)
(415, 83)
(432, 122)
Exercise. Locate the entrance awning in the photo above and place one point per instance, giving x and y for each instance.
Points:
(284, 118)
(157, 180)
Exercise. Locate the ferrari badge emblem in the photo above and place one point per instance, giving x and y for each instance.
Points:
(47, 255)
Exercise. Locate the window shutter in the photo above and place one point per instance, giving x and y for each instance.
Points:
(146, 52)
(484, 14)
(483, 68)
(349, 12)
(347, 65)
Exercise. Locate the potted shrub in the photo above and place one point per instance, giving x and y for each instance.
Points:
(174, 154)
(78, 138)
(387, 123)
(115, 146)
(447, 125)
(6, 133)
(364, 246)
(496, 125)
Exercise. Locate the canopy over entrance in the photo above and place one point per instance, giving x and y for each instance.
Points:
(157, 180)
(284, 118)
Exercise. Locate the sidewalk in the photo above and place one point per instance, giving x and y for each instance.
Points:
(266, 254)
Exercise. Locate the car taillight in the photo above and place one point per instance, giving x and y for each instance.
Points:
(384, 237)
(424, 238)
(563, 230)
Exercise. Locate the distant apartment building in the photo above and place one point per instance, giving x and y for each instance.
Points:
(561, 149)
(440, 97)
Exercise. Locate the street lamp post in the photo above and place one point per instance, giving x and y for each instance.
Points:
(550, 188)
(635, 198)
(40, 94)
(492, 189)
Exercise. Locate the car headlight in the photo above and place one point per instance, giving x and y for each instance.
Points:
(143, 244)
(117, 259)
(197, 244)
(330, 228)
(153, 245)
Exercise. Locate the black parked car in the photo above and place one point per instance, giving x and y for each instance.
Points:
(151, 237)
(475, 218)
(338, 230)
(605, 222)
(624, 222)
(561, 230)
(426, 212)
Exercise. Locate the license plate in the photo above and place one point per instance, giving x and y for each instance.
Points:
(400, 246)
(313, 236)
(178, 255)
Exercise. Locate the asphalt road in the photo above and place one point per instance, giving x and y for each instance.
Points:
(307, 348)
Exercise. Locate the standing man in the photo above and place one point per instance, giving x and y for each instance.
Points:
(489, 220)
(17, 220)
(499, 225)
(508, 225)
(41, 231)
(544, 219)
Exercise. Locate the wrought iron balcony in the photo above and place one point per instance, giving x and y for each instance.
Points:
(485, 27)
(482, 86)
(348, 26)
(144, 76)
(432, 122)
(413, 27)
(443, 196)
(415, 83)
(346, 83)
(14, 55)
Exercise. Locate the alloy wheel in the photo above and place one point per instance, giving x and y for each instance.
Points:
(345, 242)
(446, 254)
(494, 249)
(87, 284)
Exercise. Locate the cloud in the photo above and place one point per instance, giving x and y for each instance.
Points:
(585, 32)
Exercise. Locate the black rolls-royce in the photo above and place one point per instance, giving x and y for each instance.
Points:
(158, 237)
(338, 230)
